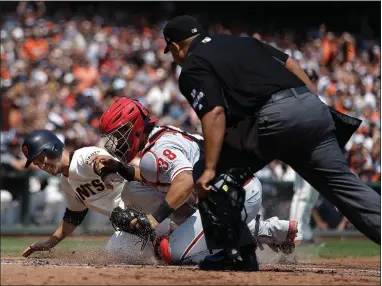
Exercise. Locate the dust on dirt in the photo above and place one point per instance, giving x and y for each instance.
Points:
(95, 267)
(99, 269)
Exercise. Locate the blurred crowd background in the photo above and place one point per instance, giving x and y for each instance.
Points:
(62, 65)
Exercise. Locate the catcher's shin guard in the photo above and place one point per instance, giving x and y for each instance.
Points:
(162, 249)
(162, 245)
(221, 209)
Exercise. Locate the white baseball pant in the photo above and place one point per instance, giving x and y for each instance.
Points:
(303, 202)
(6, 200)
(186, 244)
(126, 247)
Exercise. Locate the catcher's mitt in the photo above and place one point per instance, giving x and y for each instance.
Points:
(121, 219)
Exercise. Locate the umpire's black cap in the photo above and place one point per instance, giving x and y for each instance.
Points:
(181, 28)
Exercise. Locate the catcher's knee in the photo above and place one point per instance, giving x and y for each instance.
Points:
(253, 198)
(162, 250)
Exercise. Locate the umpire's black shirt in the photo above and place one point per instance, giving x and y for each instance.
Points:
(238, 73)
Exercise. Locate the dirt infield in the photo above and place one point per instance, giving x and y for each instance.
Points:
(72, 269)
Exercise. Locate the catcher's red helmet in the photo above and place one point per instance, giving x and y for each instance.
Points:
(123, 124)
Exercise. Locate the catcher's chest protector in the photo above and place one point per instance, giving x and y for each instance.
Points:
(149, 167)
(168, 152)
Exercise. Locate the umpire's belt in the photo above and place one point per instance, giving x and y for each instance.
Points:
(292, 92)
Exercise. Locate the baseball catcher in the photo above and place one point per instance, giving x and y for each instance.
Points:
(167, 161)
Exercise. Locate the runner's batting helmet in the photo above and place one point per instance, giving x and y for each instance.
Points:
(40, 141)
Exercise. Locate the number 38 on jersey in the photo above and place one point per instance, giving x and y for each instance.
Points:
(163, 164)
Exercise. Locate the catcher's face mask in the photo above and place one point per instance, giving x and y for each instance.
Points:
(122, 144)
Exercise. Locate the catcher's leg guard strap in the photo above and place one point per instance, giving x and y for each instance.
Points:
(256, 234)
(221, 210)
(220, 213)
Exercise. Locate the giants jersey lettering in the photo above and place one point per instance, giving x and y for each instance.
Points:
(85, 189)
(169, 155)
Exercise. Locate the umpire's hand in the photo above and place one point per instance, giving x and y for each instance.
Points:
(203, 183)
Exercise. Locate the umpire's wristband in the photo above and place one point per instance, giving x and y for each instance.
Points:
(163, 212)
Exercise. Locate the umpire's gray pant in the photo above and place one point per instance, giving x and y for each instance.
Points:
(299, 131)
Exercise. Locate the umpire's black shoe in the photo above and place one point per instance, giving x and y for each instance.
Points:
(247, 261)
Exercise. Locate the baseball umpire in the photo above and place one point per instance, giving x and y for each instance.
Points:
(256, 104)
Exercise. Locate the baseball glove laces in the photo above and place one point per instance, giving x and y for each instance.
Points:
(121, 219)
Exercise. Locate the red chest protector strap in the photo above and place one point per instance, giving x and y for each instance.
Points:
(155, 137)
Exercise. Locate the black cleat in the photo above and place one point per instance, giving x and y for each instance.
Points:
(222, 260)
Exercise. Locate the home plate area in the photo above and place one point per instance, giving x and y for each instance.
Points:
(96, 269)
